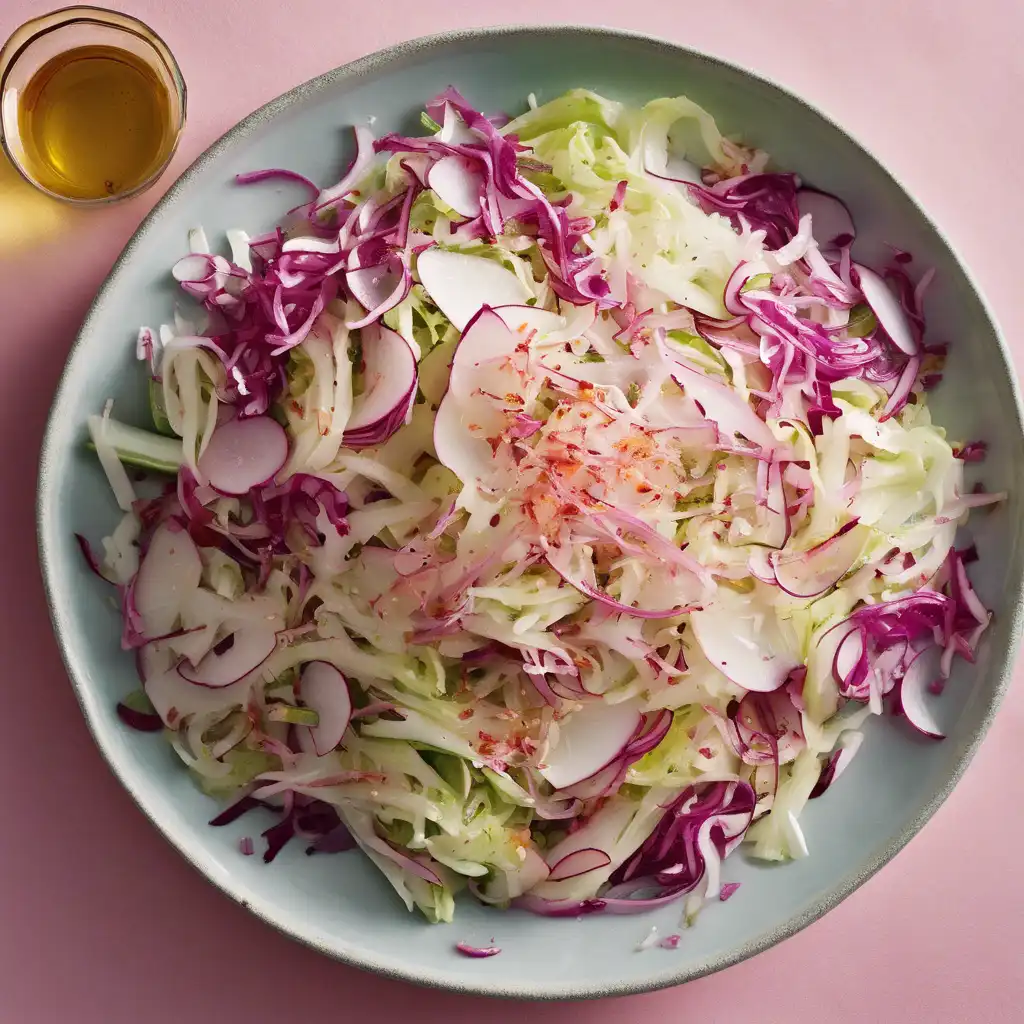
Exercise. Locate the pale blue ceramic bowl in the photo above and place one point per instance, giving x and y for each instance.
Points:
(339, 904)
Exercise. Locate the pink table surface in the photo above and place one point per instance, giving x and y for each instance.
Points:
(103, 922)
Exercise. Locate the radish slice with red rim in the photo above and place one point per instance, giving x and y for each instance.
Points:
(382, 286)
(232, 658)
(577, 863)
(462, 285)
(916, 698)
(887, 309)
(468, 457)
(512, 883)
(760, 567)
(524, 320)
(745, 647)
(370, 286)
(588, 740)
(457, 183)
(323, 689)
(837, 762)
(812, 572)
(465, 417)
(850, 665)
(454, 129)
(830, 219)
(390, 378)
(764, 715)
(726, 407)
(244, 453)
(170, 571)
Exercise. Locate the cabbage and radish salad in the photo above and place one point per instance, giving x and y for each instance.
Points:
(542, 509)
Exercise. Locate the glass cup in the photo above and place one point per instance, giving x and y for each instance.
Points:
(42, 39)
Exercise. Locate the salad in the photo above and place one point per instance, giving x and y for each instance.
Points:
(543, 509)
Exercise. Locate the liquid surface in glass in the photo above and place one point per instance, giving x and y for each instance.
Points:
(94, 122)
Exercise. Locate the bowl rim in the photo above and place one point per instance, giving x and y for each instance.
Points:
(264, 909)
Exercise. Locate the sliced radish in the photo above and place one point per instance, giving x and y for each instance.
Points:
(390, 387)
(533, 871)
(760, 567)
(461, 285)
(747, 648)
(579, 863)
(487, 339)
(232, 658)
(830, 219)
(379, 287)
(603, 829)
(324, 690)
(850, 666)
(849, 744)
(811, 573)
(775, 715)
(723, 406)
(915, 697)
(196, 267)
(457, 183)
(174, 697)
(511, 883)
(466, 455)
(417, 165)
(466, 417)
(454, 129)
(588, 740)
(169, 573)
(244, 453)
(524, 320)
(370, 286)
(838, 761)
(887, 309)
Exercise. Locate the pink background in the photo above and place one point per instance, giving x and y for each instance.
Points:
(103, 922)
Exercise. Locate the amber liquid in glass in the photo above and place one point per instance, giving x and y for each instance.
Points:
(95, 122)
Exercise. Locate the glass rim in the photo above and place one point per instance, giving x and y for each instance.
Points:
(62, 18)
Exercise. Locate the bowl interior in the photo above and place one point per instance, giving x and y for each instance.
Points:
(339, 904)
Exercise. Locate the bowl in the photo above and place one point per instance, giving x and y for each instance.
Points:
(339, 905)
